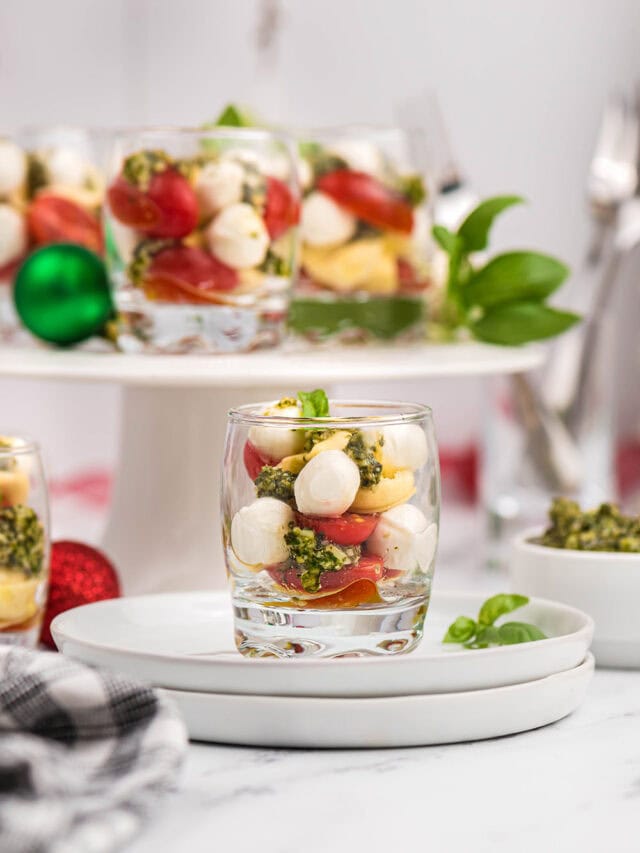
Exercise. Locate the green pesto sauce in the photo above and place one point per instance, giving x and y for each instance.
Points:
(312, 554)
(601, 529)
(21, 540)
(275, 483)
(363, 455)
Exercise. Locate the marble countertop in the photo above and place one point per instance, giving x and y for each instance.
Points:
(571, 786)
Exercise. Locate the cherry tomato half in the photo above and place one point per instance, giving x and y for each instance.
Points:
(281, 211)
(408, 278)
(368, 199)
(369, 568)
(188, 275)
(54, 219)
(254, 461)
(347, 529)
(168, 208)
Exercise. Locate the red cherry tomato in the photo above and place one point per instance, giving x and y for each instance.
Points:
(369, 568)
(168, 208)
(54, 219)
(281, 211)
(188, 275)
(254, 461)
(347, 529)
(368, 199)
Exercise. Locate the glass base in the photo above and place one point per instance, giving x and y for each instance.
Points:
(284, 632)
(26, 639)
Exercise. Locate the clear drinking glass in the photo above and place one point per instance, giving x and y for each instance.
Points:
(51, 191)
(366, 248)
(330, 527)
(201, 237)
(24, 542)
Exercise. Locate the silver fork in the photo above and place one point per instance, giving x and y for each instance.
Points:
(611, 183)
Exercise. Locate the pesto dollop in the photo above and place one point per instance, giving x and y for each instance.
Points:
(21, 540)
(602, 529)
(312, 554)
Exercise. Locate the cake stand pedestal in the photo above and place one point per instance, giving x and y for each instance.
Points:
(164, 527)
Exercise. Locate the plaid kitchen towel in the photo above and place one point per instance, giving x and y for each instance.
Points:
(84, 754)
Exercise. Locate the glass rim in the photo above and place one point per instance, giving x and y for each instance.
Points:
(223, 132)
(355, 129)
(404, 413)
(27, 445)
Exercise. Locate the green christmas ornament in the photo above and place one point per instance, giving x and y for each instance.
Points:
(62, 295)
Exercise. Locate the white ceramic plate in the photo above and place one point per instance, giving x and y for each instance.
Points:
(383, 722)
(185, 641)
(604, 584)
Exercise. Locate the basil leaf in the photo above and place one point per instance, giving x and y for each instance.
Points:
(232, 116)
(498, 605)
(446, 239)
(519, 632)
(460, 631)
(515, 276)
(315, 404)
(474, 231)
(521, 322)
(487, 635)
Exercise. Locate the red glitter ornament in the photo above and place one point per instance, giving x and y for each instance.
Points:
(79, 574)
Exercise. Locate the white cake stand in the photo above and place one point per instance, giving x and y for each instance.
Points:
(164, 528)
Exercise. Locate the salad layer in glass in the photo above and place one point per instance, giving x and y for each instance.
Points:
(365, 259)
(200, 231)
(330, 521)
(24, 542)
(51, 191)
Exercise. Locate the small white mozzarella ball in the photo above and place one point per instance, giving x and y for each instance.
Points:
(404, 539)
(66, 166)
(238, 237)
(324, 223)
(405, 446)
(277, 442)
(257, 532)
(13, 167)
(219, 184)
(246, 156)
(13, 234)
(278, 166)
(360, 156)
(305, 174)
(327, 485)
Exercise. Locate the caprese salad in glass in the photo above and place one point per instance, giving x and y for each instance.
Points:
(201, 240)
(336, 512)
(365, 240)
(23, 542)
(50, 192)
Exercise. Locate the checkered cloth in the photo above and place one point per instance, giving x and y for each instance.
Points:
(84, 754)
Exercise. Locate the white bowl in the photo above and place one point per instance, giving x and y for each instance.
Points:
(604, 584)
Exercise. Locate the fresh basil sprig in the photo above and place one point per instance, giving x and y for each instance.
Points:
(484, 632)
(502, 302)
(315, 404)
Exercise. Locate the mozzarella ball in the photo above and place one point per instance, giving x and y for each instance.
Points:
(360, 156)
(327, 485)
(238, 237)
(324, 223)
(13, 167)
(13, 234)
(67, 166)
(277, 442)
(305, 174)
(404, 539)
(405, 446)
(219, 184)
(257, 532)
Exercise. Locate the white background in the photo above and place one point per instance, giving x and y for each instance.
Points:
(521, 84)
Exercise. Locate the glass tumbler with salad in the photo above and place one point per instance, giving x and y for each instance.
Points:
(330, 525)
(51, 191)
(201, 229)
(24, 542)
(366, 251)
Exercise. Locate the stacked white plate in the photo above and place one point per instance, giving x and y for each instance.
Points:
(183, 643)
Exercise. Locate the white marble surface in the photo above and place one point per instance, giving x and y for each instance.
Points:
(572, 786)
